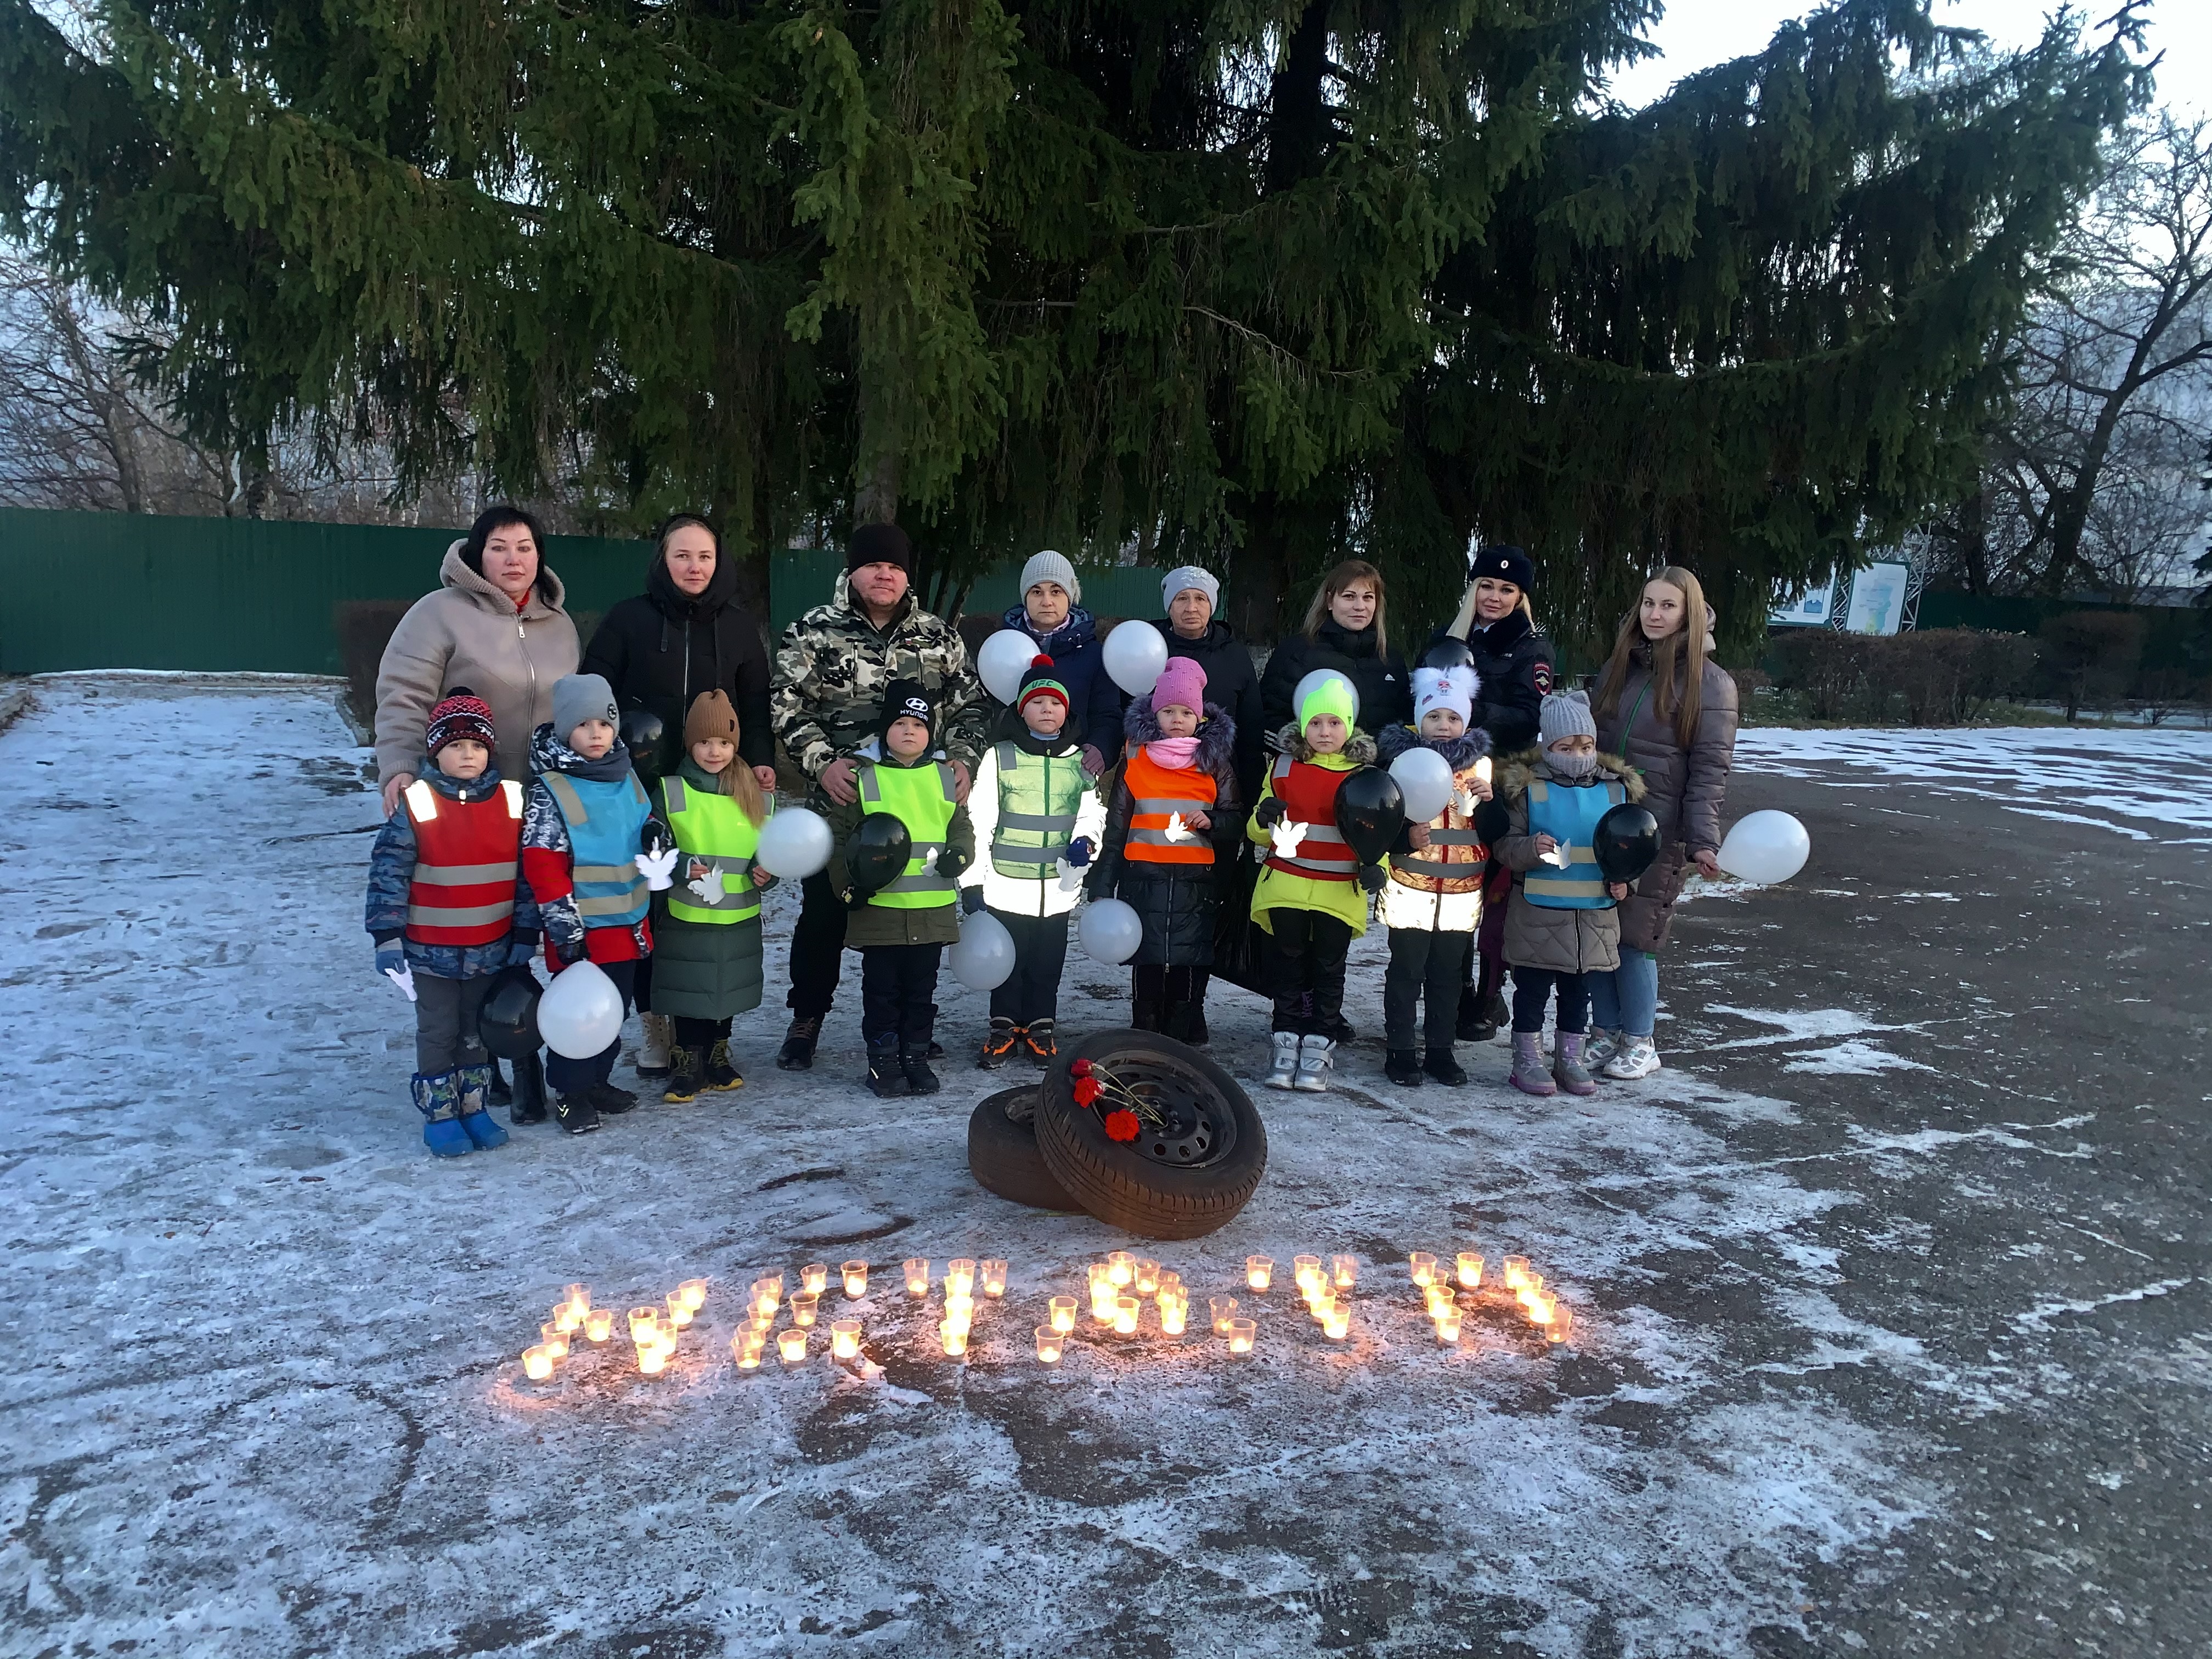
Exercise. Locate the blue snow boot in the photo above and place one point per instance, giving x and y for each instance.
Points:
(440, 1103)
(474, 1083)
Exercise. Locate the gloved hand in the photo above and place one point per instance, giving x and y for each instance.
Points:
(1270, 812)
(655, 838)
(391, 956)
(657, 869)
(951, 862)
(971, 900)
(855, 900)
(521, 946)
(1287, 837)
(568, 952)
(707, 888)
(1079, 852)
(1372, 876)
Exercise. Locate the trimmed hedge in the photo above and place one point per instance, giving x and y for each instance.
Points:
(1930, 677)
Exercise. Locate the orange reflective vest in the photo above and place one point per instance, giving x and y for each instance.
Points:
(1156, 792)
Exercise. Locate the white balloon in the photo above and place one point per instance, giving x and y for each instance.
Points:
(794, 843)
(1134, 655)
(1005, 658)
(1425, 778)
(1767, 847)
(983, 959)
(581, 1011)
(1109, 930)
(1298, 696)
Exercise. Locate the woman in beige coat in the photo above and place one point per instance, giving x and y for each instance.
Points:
(494, 625)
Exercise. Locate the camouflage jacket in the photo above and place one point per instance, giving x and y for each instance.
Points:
(833, 664)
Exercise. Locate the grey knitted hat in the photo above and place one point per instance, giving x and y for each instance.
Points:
(1566, 715)
(1051, 566)
(581, 698)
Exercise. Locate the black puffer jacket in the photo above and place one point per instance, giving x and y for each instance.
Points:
(661, 648)
(1513, 659)
(1232, 682)
(1385, 686)
(1176, 901)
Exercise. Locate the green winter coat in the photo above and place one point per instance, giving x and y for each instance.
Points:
(881, 924)
(701, 969)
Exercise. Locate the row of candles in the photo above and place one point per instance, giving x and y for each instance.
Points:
(1118, 1288)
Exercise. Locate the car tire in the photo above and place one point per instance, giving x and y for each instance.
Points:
(1002, 1152)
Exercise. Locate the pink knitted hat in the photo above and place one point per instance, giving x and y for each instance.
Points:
(1182, 681)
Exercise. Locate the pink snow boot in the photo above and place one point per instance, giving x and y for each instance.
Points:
(1530, 1076)
(1567, 1068)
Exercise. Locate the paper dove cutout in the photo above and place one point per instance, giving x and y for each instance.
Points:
(657, 868)
(708, 887)
(1286, 835)
(1558, 857)
(1177, 829)
(1464, 800)
(1069, 876)
(404, 978)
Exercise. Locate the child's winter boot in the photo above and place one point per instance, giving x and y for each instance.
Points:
(1283, 1071)
(914, 1060)
(574, 1113)
(497, 1093)
(474, 1083)
(1568, 1070)
(1639, 1057)
(1403, 1068)
(656, 1054)
(998, 1043)
(799, 1043)
(439, 1102)
(687, 1068)
(1442, 1067)
(610, 1101)
(1040, 1042)
(529, 1104)
(886, 1078)
(1601, 1047)
(722, 1076)
(1531, 1075)
(1316, 1060)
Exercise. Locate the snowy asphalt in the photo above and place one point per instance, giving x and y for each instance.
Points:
(1892, 1288)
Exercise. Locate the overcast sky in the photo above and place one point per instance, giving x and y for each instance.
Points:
(1696, 34)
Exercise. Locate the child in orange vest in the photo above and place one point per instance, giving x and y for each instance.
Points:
(1312, 896)
(1175, 822)
(447, 910)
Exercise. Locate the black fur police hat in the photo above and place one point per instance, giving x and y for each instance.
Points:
(1505, 562)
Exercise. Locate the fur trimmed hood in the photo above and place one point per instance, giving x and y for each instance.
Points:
(1459, 753)
(1515, 773)
(1360, 750)
(1217, 733)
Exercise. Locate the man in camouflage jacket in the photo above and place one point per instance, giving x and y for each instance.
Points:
(826, 703)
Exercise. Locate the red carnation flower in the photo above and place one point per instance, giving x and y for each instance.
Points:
(1080, 1068)
(1122, 1124)
(1088, 1090)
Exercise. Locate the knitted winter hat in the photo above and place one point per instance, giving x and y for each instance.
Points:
(1051, 566)
(1566, 715)
(581, 698)
(711, 717)
(1040, 679)
(1190, 575)
(1444, 688)
(903, 698)
(459, 713)
(1332, 696)
(1182, 681)
(1506, 563)
(879, 544)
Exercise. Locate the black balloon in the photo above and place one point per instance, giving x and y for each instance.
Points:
(507, 1020)
(1371, 811)
(644, 733)
(1447, 652)
(879, 853)
(1625, 842)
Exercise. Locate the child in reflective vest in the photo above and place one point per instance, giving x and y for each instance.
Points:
(706, 926)
(1037, 821)
(448, 911)
(593, 854)
(1433, 901)
(902, 914)
(1312, 896)
(1175, 822)
(1560, 924)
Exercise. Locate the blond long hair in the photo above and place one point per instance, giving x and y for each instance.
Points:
(1678, 662)
(738, 782)
(1462, 622)
(1350, 571)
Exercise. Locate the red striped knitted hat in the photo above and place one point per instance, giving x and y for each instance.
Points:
(459, 713)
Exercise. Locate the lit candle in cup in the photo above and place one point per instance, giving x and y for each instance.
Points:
(1448, 1325)
(961, 1310)
(1241, 1332)
(960, 1276)
(1531, 1285)
(955, 1338)
(599, 1324)
(679, 1310)
(917, 1276)
(770, 1290)
(1440, 1298)
(693, 1292)
(651, 1360)
(1170, 1281)
(1345, 1269)
(1337, 1325)
(1305, 1270)
(1120, 1268)
(537, 1364)
(1126, 1309)
(1048, 1341)
(791, 1347)
(845, 1339)
(994, 1272)
(1517, 1269)
(1148, 1277)
(577, 1297)
(1424, 1266)
(1223, 1310)
(1562, 1327)
(814, 1278)
(1173, 1314)
(1540, 1305)
(802, 1307)
(1470, 1270)
(565, 1317)
(745, 1351)
(1259, 1272)
(1063, 1314)
(643, 1319)
(856, 1278)
(554, 1340)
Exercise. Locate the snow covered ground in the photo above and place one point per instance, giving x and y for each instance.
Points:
(264, 1396)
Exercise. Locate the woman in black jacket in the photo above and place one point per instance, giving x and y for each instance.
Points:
(1344, 630)
(684, 636)
(1190, 595)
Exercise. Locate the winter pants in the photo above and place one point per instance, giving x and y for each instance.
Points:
(1305, 968)
(445, 1022)
(1426, 967)
(1040, 956)
(897, 985)
(1627, 998)
(1532, 989)
(1170, 1000)
(567, 1076)
(701, 1033)
(818, 944)
(1489, 955)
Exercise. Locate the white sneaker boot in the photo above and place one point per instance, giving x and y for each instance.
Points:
(1316, 1060)
(1638, 1057)
(1600, 1048)
(655, 1054)
(1285, 1070)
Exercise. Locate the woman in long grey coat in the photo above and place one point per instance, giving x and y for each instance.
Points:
(1666, 707)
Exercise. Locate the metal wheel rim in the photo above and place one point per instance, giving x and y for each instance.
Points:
(1199, 1127)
